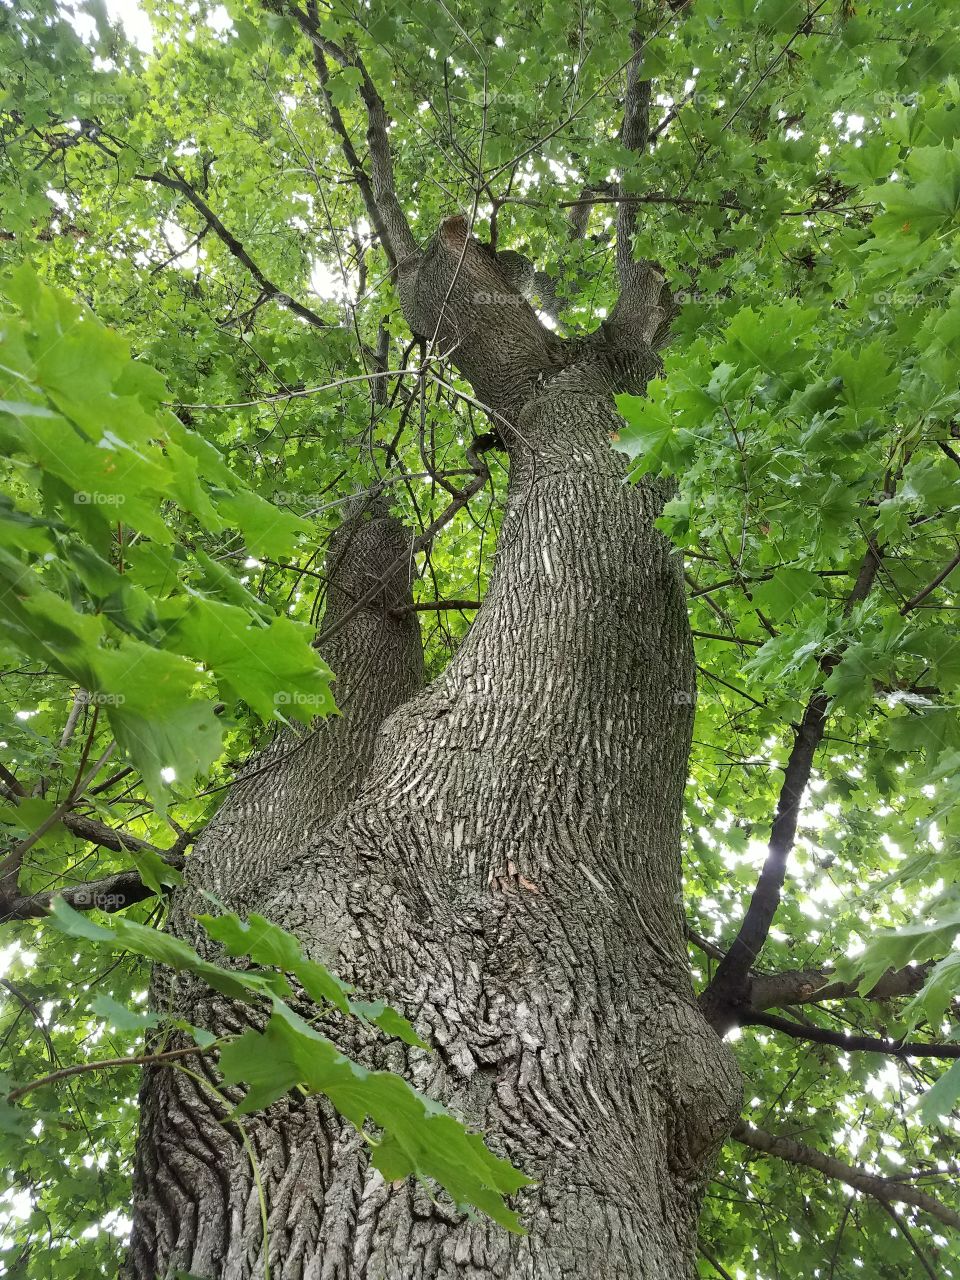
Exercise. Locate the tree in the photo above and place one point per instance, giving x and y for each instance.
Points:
(630, 849)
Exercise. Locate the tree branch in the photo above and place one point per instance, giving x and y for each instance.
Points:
(432, 606)
(634, 135)
(645, 306)
(482, 444)
(724, 1274)
(733, 969)
(908, 1236)
(804, 986)
(395, 228)
(230, 241)
(13, 861)
(134, 1060)
(839, 1039)
(350, 155)
(886, 1190)
(729, 986)
(931, 587)
(86, 828)
(111, 893)
(703, 944)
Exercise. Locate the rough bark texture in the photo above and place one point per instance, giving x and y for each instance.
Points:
(307, 775)
(508, 874)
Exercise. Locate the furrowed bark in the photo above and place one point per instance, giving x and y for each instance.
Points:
(509, 877)
(297, 785)
(187, 1199)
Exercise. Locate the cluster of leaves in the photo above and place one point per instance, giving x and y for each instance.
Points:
(813, 434)
(160, 584)
(809, 411)
(103, 499)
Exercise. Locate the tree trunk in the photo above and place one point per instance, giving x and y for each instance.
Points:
(508, 875)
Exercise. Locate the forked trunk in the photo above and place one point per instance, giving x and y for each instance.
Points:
(508, 875)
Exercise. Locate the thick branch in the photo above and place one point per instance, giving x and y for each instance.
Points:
(110, 893)
(887, 1191)
(109, 838)
(84, 827)
(393, 220)
(840, 1040)
(735, 966)
(803, 986)
(729, 985)
(231, 242)
(634, 133)
(481, 445)
(299, 782)
(645, 305)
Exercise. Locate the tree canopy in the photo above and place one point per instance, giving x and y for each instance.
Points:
(202, 353)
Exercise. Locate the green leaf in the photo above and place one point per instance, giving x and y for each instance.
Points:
(271, 665)
(121, 1017)
(389, 1021)
(787, 590)
(941, 1098)
(419, 1137)
(268, 530)
(653, 435)
(155, 873)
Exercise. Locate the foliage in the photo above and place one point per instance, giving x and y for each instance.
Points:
(414, 1135)
(803, 197)
(88, 442)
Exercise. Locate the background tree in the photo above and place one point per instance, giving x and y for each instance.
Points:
(441, 280)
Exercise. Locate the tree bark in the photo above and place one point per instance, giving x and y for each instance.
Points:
(507, 874)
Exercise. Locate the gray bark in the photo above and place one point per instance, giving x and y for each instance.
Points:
(507, 874)
(297, 785)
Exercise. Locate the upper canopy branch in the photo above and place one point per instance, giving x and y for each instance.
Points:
(360, 174)
(888, 1191)
(230, 241)
(729, 986)
(645, 304)
(634, 135)
(379, 190)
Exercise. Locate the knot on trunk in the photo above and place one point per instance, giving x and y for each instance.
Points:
(705, 1091)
